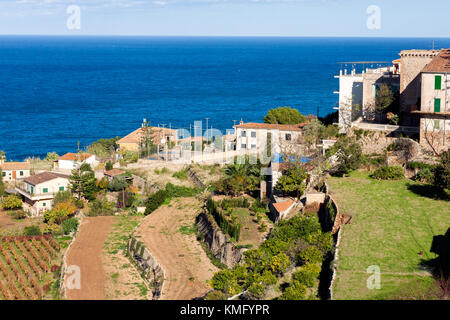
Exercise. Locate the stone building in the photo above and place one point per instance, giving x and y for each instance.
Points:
(434, 111)
(411, 64)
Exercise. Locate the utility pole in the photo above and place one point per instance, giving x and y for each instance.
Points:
(207, 137)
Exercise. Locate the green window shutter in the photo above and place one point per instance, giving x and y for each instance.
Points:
(437, 105)
(3, 173)
(61, 188)
(21, 173)
(437, 82)
(45, 190)
(44, 204)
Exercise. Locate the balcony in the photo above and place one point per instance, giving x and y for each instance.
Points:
(20, 188)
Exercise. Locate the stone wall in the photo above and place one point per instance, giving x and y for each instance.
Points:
(218, 243)
(151, 271)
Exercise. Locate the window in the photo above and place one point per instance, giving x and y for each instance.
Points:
(253, 146)
(32, 189)
(288, 137)
(437, 82)
(61, 188)
(21, 173)
(44, 204)
(45, 190)
(243, 134)
(437, 124)
(3, 174)
(253, 134)
(437, 105)
(243, 146)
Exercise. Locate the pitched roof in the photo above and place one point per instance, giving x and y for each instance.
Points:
(283, 206)
(440, 63)
(114, 172)
(269, 126)
(44, 177)
(135, 136)
(15, 166)
(75, 156)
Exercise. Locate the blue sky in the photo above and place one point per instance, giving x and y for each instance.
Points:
(399, 18)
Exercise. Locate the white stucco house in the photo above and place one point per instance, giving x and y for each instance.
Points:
(12, 171)
(38, 191)
(72, 161)
(253, 137)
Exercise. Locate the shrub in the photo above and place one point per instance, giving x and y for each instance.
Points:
(388, 173)
(70, 225)
(180, 191)
(425, 175)
(62, 196)
(216, 295)
(311, 255)
(11, 202)
(256, 291)
(155, 200)
(101, 208)
(181, 175)
(280, 263)
(17, 214)
(52, 228)
(348, 155)
(442, 172)
(32, 231)
(296, 291)
(307, 274)
(108, 166)
(241, 202)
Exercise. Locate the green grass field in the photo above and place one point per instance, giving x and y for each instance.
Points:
(392, 227)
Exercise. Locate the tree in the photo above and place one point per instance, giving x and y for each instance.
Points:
(51, 156)
(60, 212)
(442, 172)
(108, 166)
(284, 115)
(292, 181)
(312, 132)
(117, 184)
(348, 155)
(385, 97)
(240, 178)
(83, 182)
(103, 147)
(296, 291)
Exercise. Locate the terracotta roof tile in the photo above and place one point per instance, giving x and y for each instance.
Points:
(283, 206)
(75, 156)
(15, 166)
(440, 63)
(135, 136)
(269, 126)
(114, 172)
(44, 177)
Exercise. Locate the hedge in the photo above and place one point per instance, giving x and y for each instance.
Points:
(232, 229)
(388, 173)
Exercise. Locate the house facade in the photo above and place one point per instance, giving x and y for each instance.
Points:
(12, 171)
(358, 91)
(71, 161)
(158, 135)
(434, 109)
(38, 191)
(257, 137)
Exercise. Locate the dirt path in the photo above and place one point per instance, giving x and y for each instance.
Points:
(86, 252)
(168, 234)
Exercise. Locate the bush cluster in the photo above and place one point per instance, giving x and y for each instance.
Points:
(388, 173)
(70, 225)
(300, 236)
(171, 191)
(241, 202)
(232, 229)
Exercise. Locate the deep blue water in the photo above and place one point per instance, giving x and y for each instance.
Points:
(55, 91)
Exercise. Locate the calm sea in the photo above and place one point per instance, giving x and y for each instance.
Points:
(55, 91)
